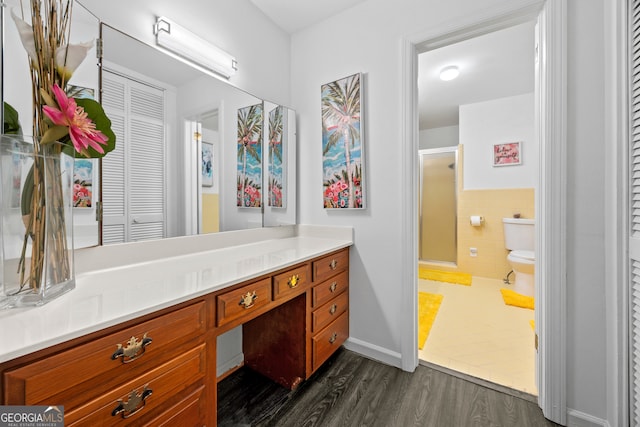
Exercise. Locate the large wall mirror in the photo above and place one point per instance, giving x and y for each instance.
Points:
(179, 167)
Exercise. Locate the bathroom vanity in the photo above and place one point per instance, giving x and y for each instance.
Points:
(136, 342)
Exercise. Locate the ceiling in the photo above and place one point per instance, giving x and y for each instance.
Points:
(494, 65)
(294, 15)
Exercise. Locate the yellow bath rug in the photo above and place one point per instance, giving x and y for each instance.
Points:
(513, 298)
(445, 276)
(428, 305)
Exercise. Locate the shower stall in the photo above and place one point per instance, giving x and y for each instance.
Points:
(438, 205)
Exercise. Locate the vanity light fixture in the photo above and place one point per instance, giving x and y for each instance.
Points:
(184, 43)
(449, 73)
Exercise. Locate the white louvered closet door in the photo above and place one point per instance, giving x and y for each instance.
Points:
(134, 174)
(634, 238)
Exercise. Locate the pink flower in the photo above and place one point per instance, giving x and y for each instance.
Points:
(82, 129)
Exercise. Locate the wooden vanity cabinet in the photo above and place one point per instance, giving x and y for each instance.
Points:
(160, 369)
(329, 306)
(160, 363)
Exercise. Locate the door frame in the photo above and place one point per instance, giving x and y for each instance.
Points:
(618, 248)
(551, 119)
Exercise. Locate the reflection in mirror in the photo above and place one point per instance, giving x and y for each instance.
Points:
(16, 85)
(174, 171)
(280, 165)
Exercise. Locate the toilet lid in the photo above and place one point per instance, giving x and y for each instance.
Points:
(530, 255)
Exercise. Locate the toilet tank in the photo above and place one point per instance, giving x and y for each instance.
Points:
(519, 234)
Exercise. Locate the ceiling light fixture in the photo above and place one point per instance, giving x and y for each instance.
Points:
(449, 73)
(184, 43)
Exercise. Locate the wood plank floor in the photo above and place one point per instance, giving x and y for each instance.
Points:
(350, 390)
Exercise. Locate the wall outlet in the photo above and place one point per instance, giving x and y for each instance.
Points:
(473, 251)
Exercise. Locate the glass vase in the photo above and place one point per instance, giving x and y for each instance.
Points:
(36, 227)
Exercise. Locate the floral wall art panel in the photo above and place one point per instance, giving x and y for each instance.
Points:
(275, 158)
(342, 144)
(249, 169)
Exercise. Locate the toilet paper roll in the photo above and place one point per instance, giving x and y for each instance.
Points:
(476, 221)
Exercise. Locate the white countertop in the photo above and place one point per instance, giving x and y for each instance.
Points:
(109, 296)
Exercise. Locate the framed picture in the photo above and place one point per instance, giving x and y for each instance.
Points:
(207, 164)
(508, 154)
(83, 170)
(276, 159)
(343, 144)
(249, 166)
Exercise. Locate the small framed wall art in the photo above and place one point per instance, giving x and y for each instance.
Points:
(207, 164)
(507, 154)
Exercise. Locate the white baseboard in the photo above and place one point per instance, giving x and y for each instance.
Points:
(375, 352)
(228, 365)
(580, 419)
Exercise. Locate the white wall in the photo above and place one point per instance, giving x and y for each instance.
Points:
(374, 31)
(446, 136)
(498, 121)
(231, 25)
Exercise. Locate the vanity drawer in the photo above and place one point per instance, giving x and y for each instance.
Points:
(146, 397)
(290, 282)
(328, 289)
(331, 264)
(191, 411)
(328, 312)
(329, 340)
(237, 303)
(98, 366)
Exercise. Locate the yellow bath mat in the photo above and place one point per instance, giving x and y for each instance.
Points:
(428, 305)
(445, 276)
(511, 297)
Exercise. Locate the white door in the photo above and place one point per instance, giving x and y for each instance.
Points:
(134, 173)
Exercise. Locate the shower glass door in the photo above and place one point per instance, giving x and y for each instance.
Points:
(438, 197)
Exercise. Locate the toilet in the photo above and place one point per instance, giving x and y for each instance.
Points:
(519, 239)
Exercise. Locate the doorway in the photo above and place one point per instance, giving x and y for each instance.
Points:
(476, 332)
(551, 247)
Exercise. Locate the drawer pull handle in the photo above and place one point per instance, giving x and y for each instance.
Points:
(134, 349)
(333, 338)
(333, 264)
(293, 281)
(333, 287)
(137, 401)
(333, 309)
(247, 300)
